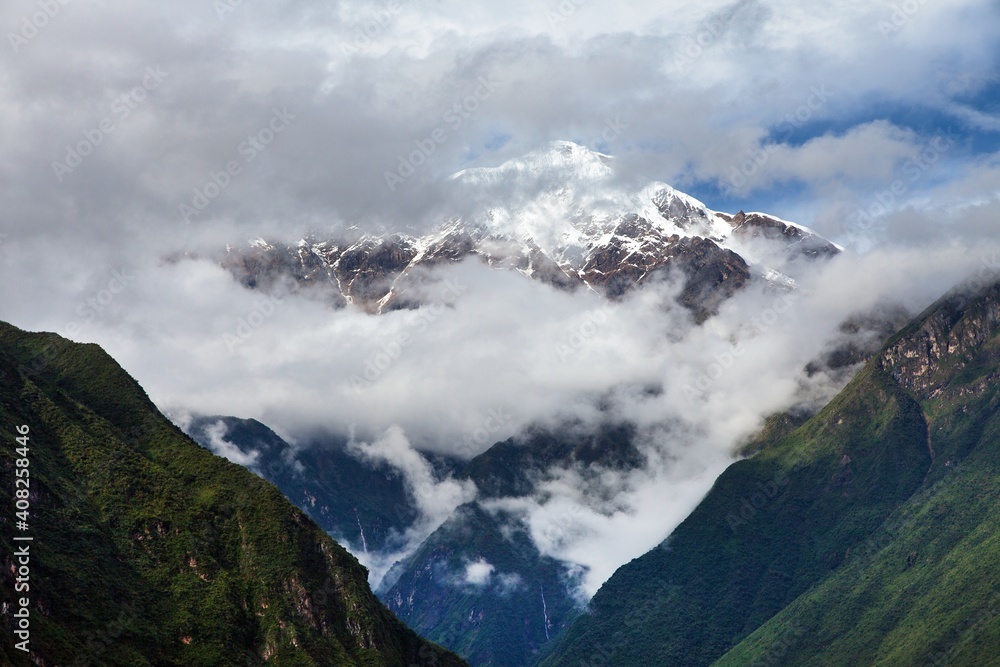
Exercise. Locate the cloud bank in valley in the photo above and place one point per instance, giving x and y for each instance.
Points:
(505, 353)
(133, 134)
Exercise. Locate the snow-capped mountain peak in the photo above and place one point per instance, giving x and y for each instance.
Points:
(566, 198)
(560, 214)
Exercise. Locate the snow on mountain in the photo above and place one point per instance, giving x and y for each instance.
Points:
(558, 214)
(566, 197)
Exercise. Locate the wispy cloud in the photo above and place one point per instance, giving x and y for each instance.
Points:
(694, 91)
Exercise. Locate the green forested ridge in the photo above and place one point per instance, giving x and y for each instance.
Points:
(149, 550)
(870, 535)
(341, 493)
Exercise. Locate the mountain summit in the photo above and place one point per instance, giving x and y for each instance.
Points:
(560, 214)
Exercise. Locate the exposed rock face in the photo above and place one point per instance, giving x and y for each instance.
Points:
(944, 342)
(798, 240)
(378, 274)
(634, 250)
(713, 275)
(860, 338)
(362, 272)
(577, 227)
(367, 270)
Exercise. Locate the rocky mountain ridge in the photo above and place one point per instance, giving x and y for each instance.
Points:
(559, 215)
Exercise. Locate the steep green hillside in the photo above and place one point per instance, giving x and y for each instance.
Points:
(366, 504)
(149, 550)
(925, 588)
(869, 535)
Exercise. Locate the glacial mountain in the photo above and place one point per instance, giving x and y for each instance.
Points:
(148, 550)
(560, 215)
(865, 536)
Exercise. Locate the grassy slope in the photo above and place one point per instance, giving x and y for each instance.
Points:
(925, 588)
(336, 489)
(868, 554)
(770, 528)
(151, 551)
(914, 594)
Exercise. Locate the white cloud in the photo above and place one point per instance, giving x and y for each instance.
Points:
(508, 583)
(434, 499)
(479, 572)
(220, 446)
(869, 153)
(496, 349)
